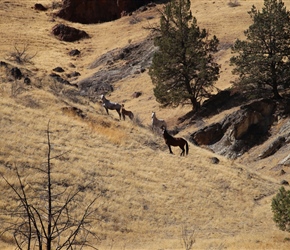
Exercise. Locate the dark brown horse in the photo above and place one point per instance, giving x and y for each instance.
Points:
(175, 141)
(125, 113)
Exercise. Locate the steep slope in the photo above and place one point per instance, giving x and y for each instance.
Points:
(148, 195)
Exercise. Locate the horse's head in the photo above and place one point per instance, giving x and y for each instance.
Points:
(153, 114)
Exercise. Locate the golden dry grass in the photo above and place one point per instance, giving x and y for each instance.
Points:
(150, 194)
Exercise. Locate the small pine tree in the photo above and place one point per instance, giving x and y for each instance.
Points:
(183, 68)
(281, 209)
(263, 59)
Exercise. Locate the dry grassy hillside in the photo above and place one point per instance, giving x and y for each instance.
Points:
(150, 194)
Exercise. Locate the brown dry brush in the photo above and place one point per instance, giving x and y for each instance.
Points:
(36, 215)
(21, 55)
(188, 238)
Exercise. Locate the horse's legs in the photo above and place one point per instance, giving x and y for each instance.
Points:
(118, 110)
(107, 110)
(183, 150)
(169, 149)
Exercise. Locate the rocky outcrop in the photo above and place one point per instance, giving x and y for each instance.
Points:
(16, 73)
(258, 114)
(68, 34)
(273, 147)
(208, 135)
(117, 64)
(39, 6)
(239, 131)
(96, 11)
(223, 100)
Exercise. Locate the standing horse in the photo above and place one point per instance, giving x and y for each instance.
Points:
(157, 123)
(111, 105)
(126, 113)
(172, 141)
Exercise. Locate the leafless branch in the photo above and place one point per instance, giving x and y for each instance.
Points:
(46, 223)
(21, 56)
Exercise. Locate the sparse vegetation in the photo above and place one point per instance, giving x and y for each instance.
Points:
(21, 55)
(43, 212)
(234, 3)
(135, 19)
(56, 5)
(138, 121)
(17, 87)
(188, 238)
(149, 193)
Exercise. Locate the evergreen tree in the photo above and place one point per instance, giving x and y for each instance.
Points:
(183, 68)
(281, 209)
(264, 58)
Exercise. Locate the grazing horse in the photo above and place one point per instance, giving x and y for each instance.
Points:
(126, 113)
(157, 123)
(111, 105)
(175, 141)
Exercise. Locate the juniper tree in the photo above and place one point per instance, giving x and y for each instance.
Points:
(263, 59)
(183, 68)
(281, 209)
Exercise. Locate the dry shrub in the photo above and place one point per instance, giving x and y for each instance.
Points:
(234, 3)
(56, 5)
(20, 55)
(138, 121)
(74, 111)
(17, 87)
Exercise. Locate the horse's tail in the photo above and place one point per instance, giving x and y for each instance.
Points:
(186, 146)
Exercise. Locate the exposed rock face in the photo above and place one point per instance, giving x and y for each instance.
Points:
(240, 131)
(95, 11)
(223, 100)
(273, 147)
(258, 113)
(39, 6)
(208, 135)
(68, 34)
(116, 65)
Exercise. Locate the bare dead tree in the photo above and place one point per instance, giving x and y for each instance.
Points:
(43, 219)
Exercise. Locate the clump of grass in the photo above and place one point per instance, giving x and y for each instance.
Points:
(107, 129)
(135, 19)
(234, 3)
(138, 121)
(56, 5)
